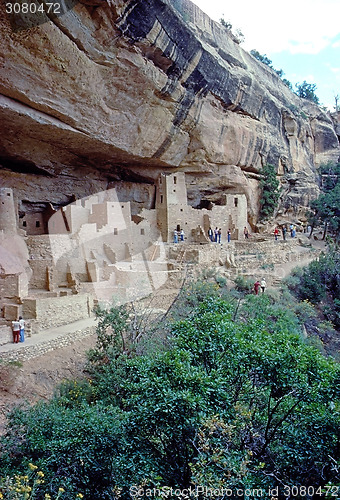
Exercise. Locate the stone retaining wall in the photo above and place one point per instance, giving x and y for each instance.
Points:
(52, 311)
(28, 352)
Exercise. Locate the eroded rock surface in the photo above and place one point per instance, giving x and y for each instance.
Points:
(121, 90)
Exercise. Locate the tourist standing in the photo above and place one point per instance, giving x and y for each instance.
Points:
(216, 234)
(22, 329)
(246, 233)
(276, 233)
(219, 235)
(228, 236)
(16, 331)
(263, 285)
(175, 236)
(256, 287)
(182, 235)
(284, 232)
(211, 234)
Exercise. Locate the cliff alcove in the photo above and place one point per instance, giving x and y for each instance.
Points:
(97, 106)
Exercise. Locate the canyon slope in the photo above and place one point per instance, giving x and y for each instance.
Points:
(112, 93)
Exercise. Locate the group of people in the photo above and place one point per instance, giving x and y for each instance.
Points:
(215, 235)
(178, 235)
(260, 284)
(18, 328)
(292, 229)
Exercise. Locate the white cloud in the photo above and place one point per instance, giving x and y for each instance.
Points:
(335, 71)
(299, 26)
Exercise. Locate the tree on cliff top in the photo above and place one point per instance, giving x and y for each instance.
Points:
(237, 36)
(307, 91)
(268, 62)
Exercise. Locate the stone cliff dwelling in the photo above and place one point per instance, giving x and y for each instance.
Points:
(174, 93)
(56, 263)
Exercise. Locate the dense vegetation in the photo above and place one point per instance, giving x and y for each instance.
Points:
(319, 283)
(326, 208)
(270, 192)
(223, 392)
(307, 91)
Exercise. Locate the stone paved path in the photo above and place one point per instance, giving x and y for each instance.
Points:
(48, 340)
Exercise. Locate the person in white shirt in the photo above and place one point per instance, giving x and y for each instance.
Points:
(22, 329)
(16, 331)
(263, 285)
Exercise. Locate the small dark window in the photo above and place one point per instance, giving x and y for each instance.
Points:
(235, 202)
(178, 227)
(115, 230)
(175, 180)
(174, 190)
(161, 198)
(8, 194)
(24, 223)
(142, 231)
(181, 209)
(37, 223)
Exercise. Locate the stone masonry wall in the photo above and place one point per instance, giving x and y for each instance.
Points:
(56, 311)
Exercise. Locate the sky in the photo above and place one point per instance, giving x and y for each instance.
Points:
(301, 37)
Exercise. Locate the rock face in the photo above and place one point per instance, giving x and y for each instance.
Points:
(113, 93)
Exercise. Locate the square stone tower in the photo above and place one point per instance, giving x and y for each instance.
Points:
(171, 200)
(8, 216)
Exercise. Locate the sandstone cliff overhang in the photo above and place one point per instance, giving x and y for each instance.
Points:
(122, 90)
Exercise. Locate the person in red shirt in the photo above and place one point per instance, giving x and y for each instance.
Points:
(257, 287)
(276, 233)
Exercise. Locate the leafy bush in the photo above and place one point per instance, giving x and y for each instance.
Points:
(319, 283)
(326, 208)
(270, 191)
(74, 392)
(236, 403)
(307, 91)
(243, 284)
(26, 486)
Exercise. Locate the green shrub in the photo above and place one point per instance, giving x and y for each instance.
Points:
(234, 402)
(270, 192)
(319, 283)
(243, 284)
